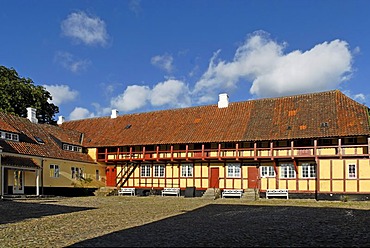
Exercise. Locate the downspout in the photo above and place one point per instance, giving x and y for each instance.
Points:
(42, 176)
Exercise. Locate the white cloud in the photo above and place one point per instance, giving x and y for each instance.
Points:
(87, 29)
(171, 92)
(80, 113)
(262, 61)
(163, 61)
(61, 93)
(360, 97)
(70, 62)
(134, 97)
(100, 111)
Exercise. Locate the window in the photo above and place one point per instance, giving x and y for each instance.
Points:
(267, 171)
(9, 136)
(159, 170)
(72, 148)
(39, 140)
(233, 170)
(308, 170)
(352, 171)
(54, 170)
(187, 170)
(145, 171)
(73, 172)
(15, 137)
(287, 171)
(77, 173)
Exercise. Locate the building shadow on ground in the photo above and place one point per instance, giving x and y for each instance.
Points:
(14, 211)
(240, 226)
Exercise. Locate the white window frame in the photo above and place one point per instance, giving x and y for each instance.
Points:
(9, 136)
(145, 170)
(308, 170)
(287, 170)
(54, 171)
(187, 170)
(352, 171)
(72, 148)
(159, 170)
(234, 170)
(267, 171)
(77, 173)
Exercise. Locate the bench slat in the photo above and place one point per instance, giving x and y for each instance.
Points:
(277, 192)
(123, 191)
(171, 191)
(232, 192)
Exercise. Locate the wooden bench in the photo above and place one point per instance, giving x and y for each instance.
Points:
(277, 192)
(123, 191)
(171, 191)
(232, 192)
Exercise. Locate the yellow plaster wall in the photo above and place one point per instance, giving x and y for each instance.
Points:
(65, 177)
(364, 170)
(351, 185)
(326, 151)
(324, 169)
(291, 184)
(302, 184)
(325, 185)
(312, 185)
(338, 186)
(30, 178)
(337, 169)
(364, 186)
(92, 153)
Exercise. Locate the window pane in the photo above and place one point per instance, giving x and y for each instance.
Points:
(187, 170)
(287, 171)
(351, 171)
(233, 170)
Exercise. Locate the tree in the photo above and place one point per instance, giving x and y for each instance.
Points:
(17, 94)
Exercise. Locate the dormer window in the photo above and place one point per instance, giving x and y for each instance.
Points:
(72, 148)
(9, 136)
(39, 140)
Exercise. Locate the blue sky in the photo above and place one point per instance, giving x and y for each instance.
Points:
(138, 56)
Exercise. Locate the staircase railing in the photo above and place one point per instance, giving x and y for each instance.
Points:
(130, 168)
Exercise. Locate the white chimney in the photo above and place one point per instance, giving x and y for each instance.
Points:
(114, 114)
(223, 100)
(31, 115)
(60, 120)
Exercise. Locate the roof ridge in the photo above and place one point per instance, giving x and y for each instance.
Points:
(209, 105)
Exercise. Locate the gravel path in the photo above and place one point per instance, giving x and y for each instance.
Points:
(156, 221)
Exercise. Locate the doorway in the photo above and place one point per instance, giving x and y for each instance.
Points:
(252, 177)
(18, 185)
(110, 173)
(214, 178)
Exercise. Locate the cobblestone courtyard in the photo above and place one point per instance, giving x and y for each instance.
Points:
(156, 221)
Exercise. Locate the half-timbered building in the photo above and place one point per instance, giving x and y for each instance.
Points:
(315, 145)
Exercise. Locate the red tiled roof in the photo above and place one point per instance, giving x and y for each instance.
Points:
(28, 144)
(291, 117)
(18, 161)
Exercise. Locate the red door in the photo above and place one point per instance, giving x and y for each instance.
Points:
(213, 180)
(110, 173)
(252, 177)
